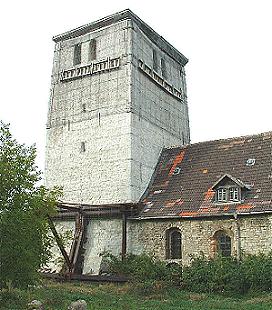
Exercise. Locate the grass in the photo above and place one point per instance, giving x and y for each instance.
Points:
(127, 297)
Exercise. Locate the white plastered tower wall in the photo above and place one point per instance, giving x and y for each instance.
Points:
(159, 118)
(101, 173)
(127, 120)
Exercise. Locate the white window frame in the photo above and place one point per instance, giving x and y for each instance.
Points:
(228, 194)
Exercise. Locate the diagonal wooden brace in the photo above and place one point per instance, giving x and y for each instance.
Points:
(59, 243)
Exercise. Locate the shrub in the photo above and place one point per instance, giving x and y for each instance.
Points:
(257, 270)
(142, 268)
(226, 274)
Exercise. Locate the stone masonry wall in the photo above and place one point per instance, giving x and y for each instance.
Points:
(146, 236)
(150, 236)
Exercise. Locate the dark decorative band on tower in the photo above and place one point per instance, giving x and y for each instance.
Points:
(160, 81)
(90, 69)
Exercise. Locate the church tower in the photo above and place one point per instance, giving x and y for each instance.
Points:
(118, 96)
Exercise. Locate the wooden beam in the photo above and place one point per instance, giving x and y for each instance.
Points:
(124, 235)
(59, 243)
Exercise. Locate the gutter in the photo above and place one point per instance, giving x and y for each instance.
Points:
(198, 217)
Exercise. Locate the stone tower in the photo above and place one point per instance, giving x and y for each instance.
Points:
(118, 96)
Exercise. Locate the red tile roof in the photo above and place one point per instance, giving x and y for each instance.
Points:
(182, 183)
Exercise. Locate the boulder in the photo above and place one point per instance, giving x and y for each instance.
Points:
(35, 305)
(78, 305)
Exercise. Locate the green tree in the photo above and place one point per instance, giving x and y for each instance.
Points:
(24, 207)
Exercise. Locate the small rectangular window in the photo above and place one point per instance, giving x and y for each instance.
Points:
(155, 60)
(163, 69)
(233, 194)
(92, 50)
(84, 107)
(83, 147)
(221, 194)
(77, 54)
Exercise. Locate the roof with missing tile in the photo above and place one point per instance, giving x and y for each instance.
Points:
(183, 184)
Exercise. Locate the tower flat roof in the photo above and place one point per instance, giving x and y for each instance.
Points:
(119, 16)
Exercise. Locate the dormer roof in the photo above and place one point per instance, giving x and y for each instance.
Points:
(231, 178)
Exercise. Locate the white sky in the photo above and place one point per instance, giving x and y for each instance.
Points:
(228, 43)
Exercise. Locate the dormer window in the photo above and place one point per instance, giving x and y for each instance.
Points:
(226, 194)
(234, 194)
(222, 194)
(229, 189)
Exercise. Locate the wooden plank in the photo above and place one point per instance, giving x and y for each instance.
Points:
(87, 278)
(124, 235)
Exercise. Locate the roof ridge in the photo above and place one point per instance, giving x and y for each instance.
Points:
(218, 140)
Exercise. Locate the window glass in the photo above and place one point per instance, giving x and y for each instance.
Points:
(173, 243)
(221, 194)
(233, 194)
(224, 244)
(175, 249)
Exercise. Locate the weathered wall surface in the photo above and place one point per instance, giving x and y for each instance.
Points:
(126, 120)
(66, 230)
(103, 236)
(158, 118)
(150, 236)
(256, 234)
(101, 173)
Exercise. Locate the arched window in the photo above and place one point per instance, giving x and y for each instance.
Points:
(223, 243)
(173, 243)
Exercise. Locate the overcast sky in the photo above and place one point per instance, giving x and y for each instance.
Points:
(228, 43)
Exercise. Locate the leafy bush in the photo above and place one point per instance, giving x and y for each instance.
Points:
(144, 268)
(219, 275)
(257, 270)
(226, 274)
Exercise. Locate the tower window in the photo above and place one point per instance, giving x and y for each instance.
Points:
(77, 54)
(84, 107)
(92, 50)
(155, 60)
(173, 243)
(163, 69)
(82, 147)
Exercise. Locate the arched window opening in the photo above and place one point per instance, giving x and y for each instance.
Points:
(223, 243)
(173, 243)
